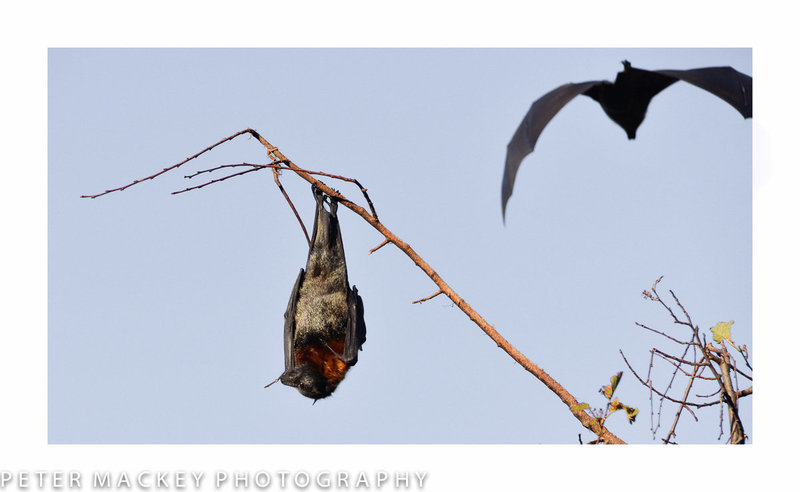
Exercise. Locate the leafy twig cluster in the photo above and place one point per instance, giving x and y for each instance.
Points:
(601, 414)
(711, 366)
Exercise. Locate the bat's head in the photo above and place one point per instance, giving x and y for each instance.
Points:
(309, 382)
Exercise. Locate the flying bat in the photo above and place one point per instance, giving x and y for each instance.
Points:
(324, 322)
(625, 101)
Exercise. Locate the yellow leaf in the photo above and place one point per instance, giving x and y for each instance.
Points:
(722, 331)
(632, 413)
(582, 406)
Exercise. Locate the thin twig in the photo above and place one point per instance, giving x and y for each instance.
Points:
(274, 165)
(721, 416)
(660, 403)
(167, 169)
(696, 368)
(669, 309)
(427, 298)
(276, 175)
(708, 395)
(688, 318)
(743, 351)
(216, 181)
(671, 359)
(663, 334)
(376, 248)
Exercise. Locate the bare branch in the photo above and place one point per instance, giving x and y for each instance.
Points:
(715, 393)
(664, 334)
(604, 435)
(743, 351)
(167, 169)
(669, 309)
(570, 401)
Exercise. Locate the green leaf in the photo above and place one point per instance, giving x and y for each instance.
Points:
(722, 331)
(582, 406)
(608, 390)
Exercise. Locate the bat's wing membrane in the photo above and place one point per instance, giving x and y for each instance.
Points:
(539, 115)
(356, 328)
(732, 86)
(625, 102)
(289, 326)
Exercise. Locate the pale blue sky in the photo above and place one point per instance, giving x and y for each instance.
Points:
(166, 312)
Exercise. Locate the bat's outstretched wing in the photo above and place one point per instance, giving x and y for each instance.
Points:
(730, 85)
(356, 328)
(542, 111)
(625, 101)
(289, 324)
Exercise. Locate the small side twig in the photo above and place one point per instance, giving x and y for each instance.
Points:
(428, 298)
(376, 248)
(675, 361)
(218, 180)
(663, 334)
(276, 175)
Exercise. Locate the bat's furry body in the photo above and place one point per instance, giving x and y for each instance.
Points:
(324, 321)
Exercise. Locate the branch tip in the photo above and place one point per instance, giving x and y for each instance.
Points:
(428, 298)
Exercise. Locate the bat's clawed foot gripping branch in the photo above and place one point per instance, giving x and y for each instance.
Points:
(279, 162)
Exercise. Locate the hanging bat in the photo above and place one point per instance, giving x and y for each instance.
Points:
(324, 321)
(625, 101)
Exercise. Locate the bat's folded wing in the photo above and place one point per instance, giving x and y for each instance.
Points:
(289, 325)
(356, 328)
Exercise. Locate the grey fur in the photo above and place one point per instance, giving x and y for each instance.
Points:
(322, 307)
